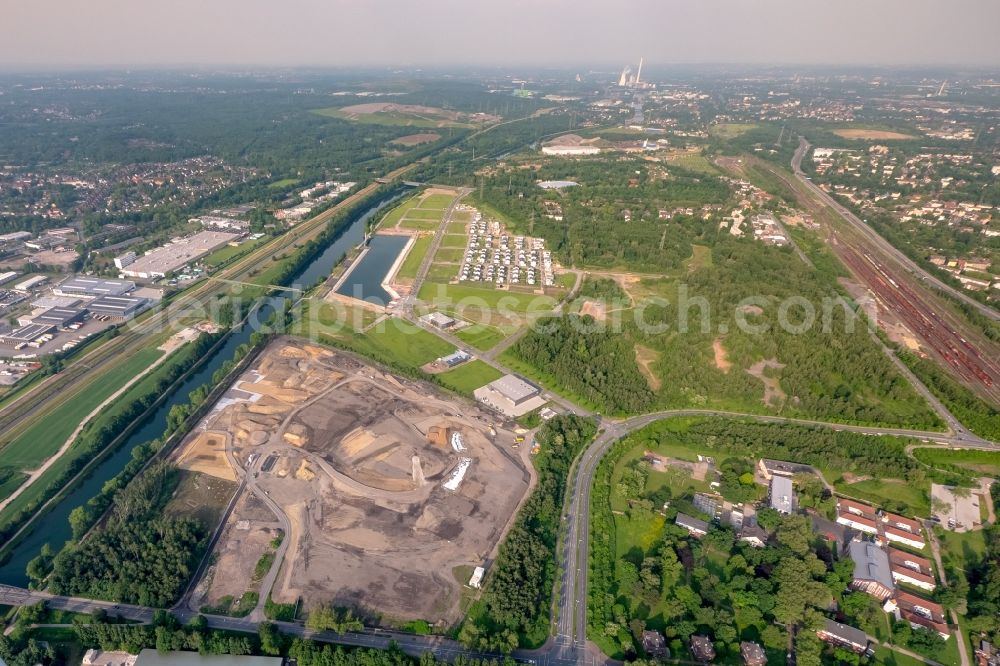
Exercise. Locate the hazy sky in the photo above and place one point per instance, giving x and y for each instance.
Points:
(135, 33)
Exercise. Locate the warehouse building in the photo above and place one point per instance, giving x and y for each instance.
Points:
(31, 283)
(46, 302)
(172, 257)
(90, 287)
(27, 334)
(7, 276)
(61, 317)
(117, 307)
(510, 395)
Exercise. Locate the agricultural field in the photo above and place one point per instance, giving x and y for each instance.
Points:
(872, 134)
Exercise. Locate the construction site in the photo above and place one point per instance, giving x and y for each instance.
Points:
(362, 489)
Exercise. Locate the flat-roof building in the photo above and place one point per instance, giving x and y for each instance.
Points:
(91, 287)
(25, 334)
(7, 276)
(117, 307)
(510, 395)
(438, 319)
(173, 256)
(46, 302)
(782, 494)
(60, 317)
(31, 283)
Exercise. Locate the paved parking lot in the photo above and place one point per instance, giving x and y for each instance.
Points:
(954, 512)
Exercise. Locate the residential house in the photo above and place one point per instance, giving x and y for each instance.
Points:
(911, 569)
(857, 516)
(697, 528)
(920, 612)
(753, 654)
(782, 495)
(654, 644)
(702, 648)
(844, 636)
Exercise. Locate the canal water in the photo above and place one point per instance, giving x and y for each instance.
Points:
(53, 528)
(364, 282)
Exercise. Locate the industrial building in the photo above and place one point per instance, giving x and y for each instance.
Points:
(172, 257)
(31, 283)
(90, 287)
(61, 317)
(117, 307)
(510, 395)
(8, 276)
(24, 335)
(123, 260)
(454, 359)
(46, 302)
(438, 319)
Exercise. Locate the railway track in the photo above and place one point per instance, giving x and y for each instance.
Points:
(71, 382)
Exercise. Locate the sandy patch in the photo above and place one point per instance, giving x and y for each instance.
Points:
(595, 309)
(874, 135)
(417, 139)
(773, 395)
(206, 453)
(646, 357)
(721, 358)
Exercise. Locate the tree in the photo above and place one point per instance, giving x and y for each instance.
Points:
(271, 640)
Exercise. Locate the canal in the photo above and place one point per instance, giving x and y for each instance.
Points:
(53, 528)
(364, 282)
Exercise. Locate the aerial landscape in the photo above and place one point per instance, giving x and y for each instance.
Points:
(493, 335)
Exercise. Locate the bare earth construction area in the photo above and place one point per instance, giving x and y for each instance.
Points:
(381, 485)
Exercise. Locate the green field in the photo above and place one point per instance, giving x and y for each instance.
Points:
(398, 341)
(418, 225)
(408, 270)
(516, 302)
(980, 462)
(43, 439)
(469, 376)
(284, 182)
(481, 336)
(441, 273)
(454, 240)
(227, 252)
(438, 201)
(392, 118)
(457, 228)
(450, 255)
(12, 480)
(881, 490)
(731, 130)
(422, 213)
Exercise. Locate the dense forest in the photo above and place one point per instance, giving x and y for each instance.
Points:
(594, 231)
(515, 606)
(139, 556)
(588, 360)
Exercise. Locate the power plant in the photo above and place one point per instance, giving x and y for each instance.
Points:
(626, 80)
